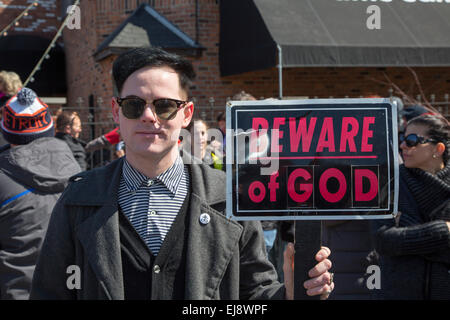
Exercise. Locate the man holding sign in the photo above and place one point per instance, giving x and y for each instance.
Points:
(149, 226)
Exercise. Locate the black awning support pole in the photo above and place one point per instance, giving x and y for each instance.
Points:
(308, 240)
(280, 72)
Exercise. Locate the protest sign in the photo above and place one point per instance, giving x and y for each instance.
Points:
(318, 159)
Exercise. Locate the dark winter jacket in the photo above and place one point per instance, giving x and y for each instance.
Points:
(32, 177)
(3, 141)
(77, 147)
(351, 245)
(415, 247)
(224, 259)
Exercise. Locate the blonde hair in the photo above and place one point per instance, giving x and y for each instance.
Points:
(10, 81)
(243, 96)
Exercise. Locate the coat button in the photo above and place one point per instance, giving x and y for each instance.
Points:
(156, 269)
(204, 218)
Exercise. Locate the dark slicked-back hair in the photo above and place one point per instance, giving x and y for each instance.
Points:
(135, 59)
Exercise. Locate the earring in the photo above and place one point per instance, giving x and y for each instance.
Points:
(434, 156)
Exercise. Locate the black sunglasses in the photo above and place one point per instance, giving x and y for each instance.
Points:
(133, 107)
(413, 139)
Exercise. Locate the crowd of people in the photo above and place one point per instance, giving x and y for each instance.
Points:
(148, 226)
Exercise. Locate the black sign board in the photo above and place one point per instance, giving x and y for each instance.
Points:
(318, 159)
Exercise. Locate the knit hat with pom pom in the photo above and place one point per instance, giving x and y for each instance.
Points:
(26, 118)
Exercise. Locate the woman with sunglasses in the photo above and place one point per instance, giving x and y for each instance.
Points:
(414, 247)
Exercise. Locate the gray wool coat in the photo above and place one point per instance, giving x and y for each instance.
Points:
(225, 259)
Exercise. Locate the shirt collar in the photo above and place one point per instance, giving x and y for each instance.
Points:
(170, 178)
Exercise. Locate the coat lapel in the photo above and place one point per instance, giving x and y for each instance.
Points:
(99, 236)
(99, 233)
(210, 249)
(210, 246)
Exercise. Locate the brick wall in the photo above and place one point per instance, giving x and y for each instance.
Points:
(334, 82)
(85, 77)
(41, 20)
(341, 82)
(100, 17)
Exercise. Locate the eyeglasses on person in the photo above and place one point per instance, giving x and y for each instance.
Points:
(133, 107)
(413, 139)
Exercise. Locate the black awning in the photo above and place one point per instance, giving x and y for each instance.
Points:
(146, 27)
(21, 53)
(332, 33)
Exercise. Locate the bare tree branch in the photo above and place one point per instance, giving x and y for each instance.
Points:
(407, 99)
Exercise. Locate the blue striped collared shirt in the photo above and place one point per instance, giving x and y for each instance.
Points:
(151, 205)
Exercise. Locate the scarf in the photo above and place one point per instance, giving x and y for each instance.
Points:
(430, 191)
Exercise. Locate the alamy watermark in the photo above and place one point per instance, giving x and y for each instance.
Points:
(373, 22)
(253, 147)
(74, 20)
(374, 280)
(74, 279)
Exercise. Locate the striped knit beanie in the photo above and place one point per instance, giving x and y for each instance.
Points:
(26, 118)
